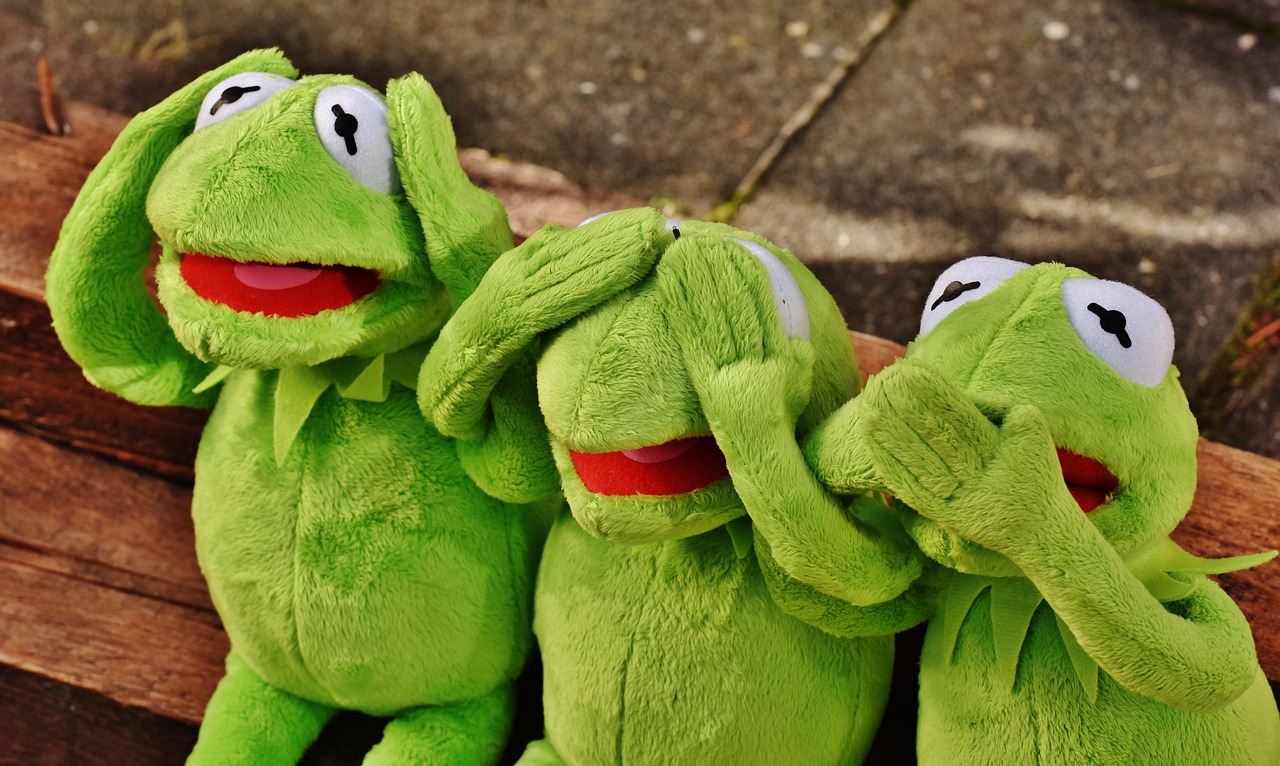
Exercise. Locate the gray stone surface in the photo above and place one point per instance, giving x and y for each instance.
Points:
(670, 98)
(1247, 13)
(1136, 143)
(1119, 135)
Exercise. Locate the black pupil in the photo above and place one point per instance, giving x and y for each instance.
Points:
(953, 291)
(1112, 322)
(345, 126)
(232, 95)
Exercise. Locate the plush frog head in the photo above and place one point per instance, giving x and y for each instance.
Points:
(635, 451)
(1093, 356)
(307, 219)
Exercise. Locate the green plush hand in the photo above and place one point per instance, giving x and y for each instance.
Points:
(837, 451)
(741, 321)
(114, 330)
(935, 448)
(717, 300)
(556, 275)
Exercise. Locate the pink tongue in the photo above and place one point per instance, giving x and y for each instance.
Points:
(265, 276)
(660, 453)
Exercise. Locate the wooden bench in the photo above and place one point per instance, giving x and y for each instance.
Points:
(109, 646)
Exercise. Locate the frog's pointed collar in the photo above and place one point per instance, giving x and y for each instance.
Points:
(1015, 600)
(299, 388)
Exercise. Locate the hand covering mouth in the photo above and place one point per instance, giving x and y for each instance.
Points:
(672, 468)
(288, 290)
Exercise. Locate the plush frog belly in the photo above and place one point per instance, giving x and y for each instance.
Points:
(340, 548)
(964, 699)
(675, 653)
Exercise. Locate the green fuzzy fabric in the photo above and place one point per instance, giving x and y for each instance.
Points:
(1055, 636)
(663, 638)
(358, 558)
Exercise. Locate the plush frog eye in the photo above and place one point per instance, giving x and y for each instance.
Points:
(1122, 327)
(352, 123)
(238, 93)
(965, 281)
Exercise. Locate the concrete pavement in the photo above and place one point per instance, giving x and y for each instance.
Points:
(1139, 140)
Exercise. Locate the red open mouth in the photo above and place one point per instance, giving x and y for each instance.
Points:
(672, 468)
(1088, 481)
(292, 290)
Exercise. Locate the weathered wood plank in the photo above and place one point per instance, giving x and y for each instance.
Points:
(43, 392)
(136, 650)
(46, 723)
(39, 178)
(73, 514)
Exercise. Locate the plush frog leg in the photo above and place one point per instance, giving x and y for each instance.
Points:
(551, 278)
(753, 381)
(470, 732)
(248, 722)
(114, 330)
(1000, 486)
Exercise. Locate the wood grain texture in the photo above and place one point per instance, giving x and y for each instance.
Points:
(43, 392)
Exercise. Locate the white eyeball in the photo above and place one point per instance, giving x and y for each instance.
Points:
(238, 93)
(1122, 327)
(965, 281)
(595, 217)
(786, 291)
(352, 123)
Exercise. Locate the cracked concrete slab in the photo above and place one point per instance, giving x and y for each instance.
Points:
(663, 99)
(1246, 13)
(1132, 141)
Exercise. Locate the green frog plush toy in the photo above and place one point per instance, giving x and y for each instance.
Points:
(661, 640)
(1040, 451)
(315, 236)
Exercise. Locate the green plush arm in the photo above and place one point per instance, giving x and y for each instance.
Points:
(836, 452)
(513, 460)
(101, 310)
(1000, 486)
(555, 275)
(464, 227)
(753, 382)
(841, 618)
